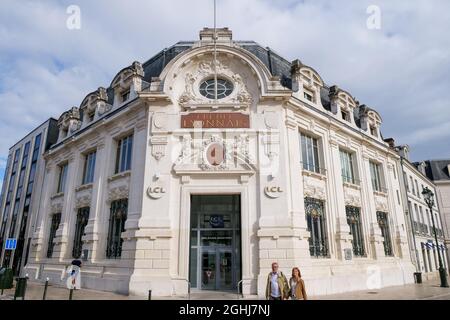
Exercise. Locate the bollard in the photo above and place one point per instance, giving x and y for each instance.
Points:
(149, 294)
(45, 289)
(21, 288)
(70, 294)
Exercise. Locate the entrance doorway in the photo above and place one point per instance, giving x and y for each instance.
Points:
(215, 244)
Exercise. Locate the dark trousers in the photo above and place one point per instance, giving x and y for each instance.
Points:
(273, 298)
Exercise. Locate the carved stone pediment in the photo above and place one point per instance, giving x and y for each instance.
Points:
(191, 98)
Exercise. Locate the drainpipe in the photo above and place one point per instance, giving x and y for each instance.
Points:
(409, 213)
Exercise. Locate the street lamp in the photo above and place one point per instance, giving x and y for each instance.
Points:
(429, 200)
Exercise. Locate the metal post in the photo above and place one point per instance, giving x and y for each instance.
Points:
(189, 290)
(149, 294)
(70, 294)
(45, 289)
(239, 288)
(442, 275)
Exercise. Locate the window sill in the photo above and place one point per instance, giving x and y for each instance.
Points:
(120, 175)
(381, 193)
(57, 195)
(84, 187)
(314, 174)
(352, 185)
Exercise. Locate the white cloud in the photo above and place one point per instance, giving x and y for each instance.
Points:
(400, 70)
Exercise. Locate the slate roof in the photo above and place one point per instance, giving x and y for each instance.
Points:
(276, 64)
(436, 169)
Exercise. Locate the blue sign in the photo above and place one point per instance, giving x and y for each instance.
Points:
(11, 244)
(216, 221)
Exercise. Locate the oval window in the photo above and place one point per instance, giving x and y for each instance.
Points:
(224, 88)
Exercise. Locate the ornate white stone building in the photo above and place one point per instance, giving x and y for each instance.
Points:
(154, 182)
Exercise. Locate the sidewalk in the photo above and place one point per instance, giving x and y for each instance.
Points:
(426, 291)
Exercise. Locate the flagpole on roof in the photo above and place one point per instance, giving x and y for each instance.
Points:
(215, 54)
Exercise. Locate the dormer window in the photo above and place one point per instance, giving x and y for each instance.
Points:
(345, 116)
(308, 96)
(64, 133)
(373, 131)
(91, 116)
(125, 95)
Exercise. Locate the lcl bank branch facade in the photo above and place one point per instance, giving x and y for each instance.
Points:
(156, 183)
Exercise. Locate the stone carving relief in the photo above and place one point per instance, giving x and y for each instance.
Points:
(205, 163)
(158, 146)
(70, 120)
(270, 119)
(313, 188)
(203, 69)
(56, 207)
(381, 204)
(119, 192)
(352, 197)
(83, 200)
(160, 120)
(271, 142)
(229, 154)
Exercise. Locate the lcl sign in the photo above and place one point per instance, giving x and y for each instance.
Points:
(156, 192)
(273, 191)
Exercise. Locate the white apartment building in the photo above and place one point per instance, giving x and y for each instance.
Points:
(423, 244)
(439, 172)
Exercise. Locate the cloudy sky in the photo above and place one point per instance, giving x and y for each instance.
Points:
(401, 69)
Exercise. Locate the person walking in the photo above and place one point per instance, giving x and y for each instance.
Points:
(277, 287)
(297, 291)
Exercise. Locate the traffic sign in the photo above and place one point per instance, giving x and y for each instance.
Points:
(11, 244)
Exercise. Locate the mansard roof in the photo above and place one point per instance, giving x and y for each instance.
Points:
(275, 63)
(436, 169)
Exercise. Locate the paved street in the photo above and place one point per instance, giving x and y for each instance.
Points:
(426, 291)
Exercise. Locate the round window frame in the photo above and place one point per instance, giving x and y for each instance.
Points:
(218, 79)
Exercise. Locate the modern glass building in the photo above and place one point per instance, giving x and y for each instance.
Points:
(22, 184)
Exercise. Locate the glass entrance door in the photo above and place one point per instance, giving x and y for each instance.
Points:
(225, 279)
(215, 242)
(217, 269)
